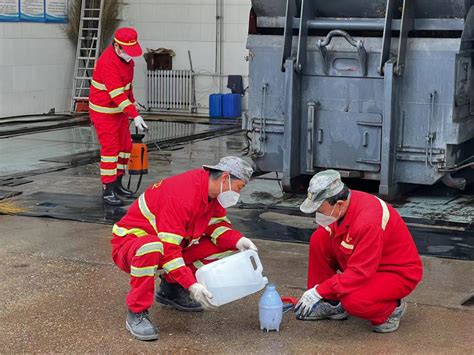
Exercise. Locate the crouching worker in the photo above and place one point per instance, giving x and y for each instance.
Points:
(178, 225)
(362, 258)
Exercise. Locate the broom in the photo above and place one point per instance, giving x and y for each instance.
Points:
(10, 208)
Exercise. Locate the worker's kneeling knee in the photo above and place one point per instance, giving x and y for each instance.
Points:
(354, 305)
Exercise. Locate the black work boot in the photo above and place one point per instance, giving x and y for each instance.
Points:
(119, 189)
(140, 326)
(174, 295)
(109, 196)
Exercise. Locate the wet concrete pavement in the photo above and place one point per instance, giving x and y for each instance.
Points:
(60, 292)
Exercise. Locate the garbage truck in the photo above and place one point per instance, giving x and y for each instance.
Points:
(379, 90)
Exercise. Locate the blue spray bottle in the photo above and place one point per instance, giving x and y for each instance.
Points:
(270, 309)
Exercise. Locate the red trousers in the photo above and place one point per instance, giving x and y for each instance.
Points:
(113, 134)
(139, 256)
(374, 300)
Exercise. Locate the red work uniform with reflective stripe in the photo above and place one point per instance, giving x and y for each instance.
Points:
(375, 251)
(178, 210)
(111, 87)
(111, 104)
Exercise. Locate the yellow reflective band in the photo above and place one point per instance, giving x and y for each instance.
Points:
(153, 247)
(146, 211)
(143, 271)
(218, 232)
(216, 220)
(220, 255)
(117, 92)
(121, 167)
(124, 155)
(173, 265)
(198, 264)
(97, 85)
(128, 86)
(170, 238)
(347, 246)
(105, 159)
(103, 109)
(328, 229)
(122, 232)
(108, 172)
(125, 103)
(132, 43)
(385, 214)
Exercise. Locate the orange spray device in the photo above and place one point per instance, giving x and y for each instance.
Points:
(138, 162)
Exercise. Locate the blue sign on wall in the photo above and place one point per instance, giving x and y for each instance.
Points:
(55, 10)
(9, 10)
(33, 11)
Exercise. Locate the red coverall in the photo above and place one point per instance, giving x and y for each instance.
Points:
(174, 226)
(376, 254)
(111, 104)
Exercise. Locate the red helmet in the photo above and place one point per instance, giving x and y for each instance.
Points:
(127, 38)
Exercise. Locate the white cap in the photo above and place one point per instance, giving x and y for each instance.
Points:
(235, 166)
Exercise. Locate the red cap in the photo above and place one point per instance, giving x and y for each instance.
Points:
(127, 38)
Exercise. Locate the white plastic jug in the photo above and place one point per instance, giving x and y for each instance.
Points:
(233, 277)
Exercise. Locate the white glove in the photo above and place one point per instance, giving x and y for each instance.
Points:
(140, 123)
(306, 303)
(245, 244)
(200, 294)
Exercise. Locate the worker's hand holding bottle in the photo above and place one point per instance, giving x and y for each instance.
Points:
(140, 123)
(305, 305)
(202, 295)
(245, 244)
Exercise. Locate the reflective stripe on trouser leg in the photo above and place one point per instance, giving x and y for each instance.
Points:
(107, 128)
(125, 144)
(144, 256)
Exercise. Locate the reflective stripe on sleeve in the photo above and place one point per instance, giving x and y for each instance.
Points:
(122, 232)
(173, 265)
(143, 271)
(124, 104)
(216, 220)
(218, 232)
(148, 248)
(171, 238)
(98, 85)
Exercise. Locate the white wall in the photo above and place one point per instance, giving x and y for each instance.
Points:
(184, 25)
(36, 65)
(37, 59)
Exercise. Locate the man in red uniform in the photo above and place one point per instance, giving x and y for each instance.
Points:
(111, 104)
(362, 258)
(178, 225)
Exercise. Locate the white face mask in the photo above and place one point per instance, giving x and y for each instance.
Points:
(324, 220)
(228, 198)
(125, 57)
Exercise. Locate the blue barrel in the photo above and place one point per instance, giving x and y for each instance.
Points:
(215, 105)
(231, 105)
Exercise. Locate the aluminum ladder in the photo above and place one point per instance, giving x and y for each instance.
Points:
(87, 51)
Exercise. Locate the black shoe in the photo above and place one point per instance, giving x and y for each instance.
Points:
(174, 295)
(109, 196)
(120, 190)
(140, 326)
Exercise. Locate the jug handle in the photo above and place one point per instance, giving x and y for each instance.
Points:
(258, 263)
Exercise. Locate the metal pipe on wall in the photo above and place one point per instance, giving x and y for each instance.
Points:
(218, 54)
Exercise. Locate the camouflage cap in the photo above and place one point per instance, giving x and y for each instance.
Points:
(235, 166)
(322, 186)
